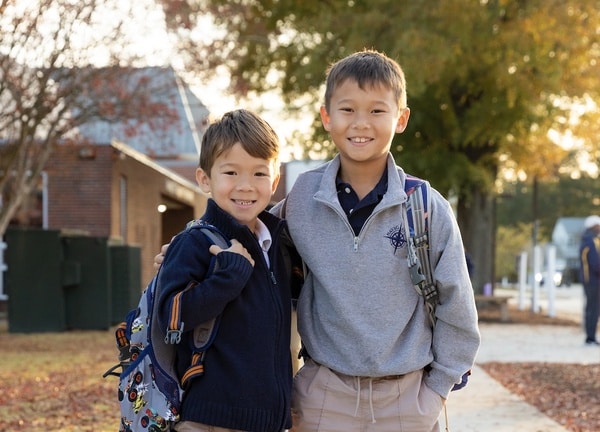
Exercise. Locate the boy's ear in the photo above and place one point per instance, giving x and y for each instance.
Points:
(275, 183)
(203, 180)
(403, 120)
(325, 119)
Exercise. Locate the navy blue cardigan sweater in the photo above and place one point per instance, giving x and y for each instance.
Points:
(248, 373)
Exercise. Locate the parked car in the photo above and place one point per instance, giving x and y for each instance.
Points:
(558, 278)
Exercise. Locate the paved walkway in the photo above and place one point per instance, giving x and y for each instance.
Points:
(485, 405)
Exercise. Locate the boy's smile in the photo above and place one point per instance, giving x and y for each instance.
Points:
(363, 121)
(361, 140)
(240, 184)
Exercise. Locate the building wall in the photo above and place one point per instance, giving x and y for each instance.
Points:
(79, 181)
(85, 195)
(146, 226)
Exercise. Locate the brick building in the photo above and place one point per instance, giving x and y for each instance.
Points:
(115, 191)
(115, 184)
(134, 190)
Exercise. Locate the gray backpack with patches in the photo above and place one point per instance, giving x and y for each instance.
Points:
(149, 390)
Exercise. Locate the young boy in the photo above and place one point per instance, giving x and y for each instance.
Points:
(248, 376)
(373, 362)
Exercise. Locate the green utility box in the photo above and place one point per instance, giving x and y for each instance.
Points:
(86, 282)
(57, 282)
(125, 264)
(33, 281)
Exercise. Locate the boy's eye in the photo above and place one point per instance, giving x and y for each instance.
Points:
(262, 174)
(229, 172)
(377, 111)
(346, 109)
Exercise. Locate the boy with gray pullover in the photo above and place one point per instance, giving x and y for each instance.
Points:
(372, 361)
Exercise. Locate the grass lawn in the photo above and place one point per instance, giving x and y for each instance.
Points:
(53, 382)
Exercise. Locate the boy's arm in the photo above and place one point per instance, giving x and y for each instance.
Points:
(158, 258)
(594, 256)
(187, 268)
(296, 265)
(456, 335)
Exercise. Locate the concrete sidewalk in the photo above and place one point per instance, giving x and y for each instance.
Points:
(485, 405)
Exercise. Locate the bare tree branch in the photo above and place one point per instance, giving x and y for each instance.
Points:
(50, 85)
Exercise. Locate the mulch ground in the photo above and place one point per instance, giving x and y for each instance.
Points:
(567, 393)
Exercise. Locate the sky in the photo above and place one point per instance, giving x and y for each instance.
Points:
(146, 37)
(150, 39)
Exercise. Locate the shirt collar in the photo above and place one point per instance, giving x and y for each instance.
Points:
(263, 235)
(375, 195)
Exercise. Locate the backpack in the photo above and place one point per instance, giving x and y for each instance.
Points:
(417, 229)
(149, 391)
(419, 264)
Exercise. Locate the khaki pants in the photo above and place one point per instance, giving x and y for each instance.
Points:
(324, 401)
(295, 344)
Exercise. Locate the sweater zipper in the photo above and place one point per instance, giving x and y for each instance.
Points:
(342, 215)
(357, 237)
(365, 225)
(279, 312)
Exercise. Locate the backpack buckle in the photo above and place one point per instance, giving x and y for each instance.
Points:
(416, 275)
(174, 336)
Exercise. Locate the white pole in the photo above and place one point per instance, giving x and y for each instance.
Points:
(551, 259)
(3, 268)
(44, 200)
(522, 279)
(537, 269)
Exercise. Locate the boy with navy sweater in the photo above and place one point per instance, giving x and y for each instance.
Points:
(247, 381)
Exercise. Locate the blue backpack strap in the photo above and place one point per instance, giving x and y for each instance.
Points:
(421, 272)
(419, 264)
(176, 325)
(204, 334)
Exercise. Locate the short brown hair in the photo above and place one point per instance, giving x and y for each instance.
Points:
(368, 68)
(253, 133)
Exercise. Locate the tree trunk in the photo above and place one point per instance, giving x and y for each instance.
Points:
(477, 222)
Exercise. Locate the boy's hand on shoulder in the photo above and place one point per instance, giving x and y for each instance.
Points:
(236, 247)
(158, 259)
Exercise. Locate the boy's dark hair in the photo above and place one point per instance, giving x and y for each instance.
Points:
(253, 133)
(367, 68)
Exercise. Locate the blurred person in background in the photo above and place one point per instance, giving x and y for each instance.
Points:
(589, 255)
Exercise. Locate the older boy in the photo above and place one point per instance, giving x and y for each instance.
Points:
(373, 362)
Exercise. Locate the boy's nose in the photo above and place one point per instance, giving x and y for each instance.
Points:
(360, 121)
(244, 183)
